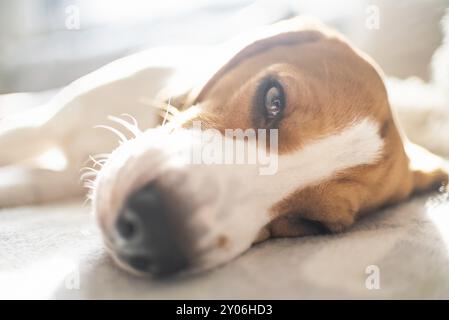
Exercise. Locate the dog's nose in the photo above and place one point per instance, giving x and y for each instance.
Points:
(145, 235)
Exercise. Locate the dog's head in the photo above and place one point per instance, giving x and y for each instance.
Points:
(291, 109)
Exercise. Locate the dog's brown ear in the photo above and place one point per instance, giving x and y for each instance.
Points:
(229, 55)
(429, 171)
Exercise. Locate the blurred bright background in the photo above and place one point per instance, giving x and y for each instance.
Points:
(46, 44)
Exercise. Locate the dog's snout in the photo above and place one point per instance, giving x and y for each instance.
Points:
(145, 234)
(139, 209)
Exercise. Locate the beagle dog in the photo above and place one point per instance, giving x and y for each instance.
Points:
(318, 109)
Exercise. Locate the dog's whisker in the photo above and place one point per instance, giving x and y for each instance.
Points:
(134, 120)
(84, 177)
(96, 162)
(88, 198)
(88, 169)
(166, 116)
(162, 105)
(173, 110)
(88, 174)
(89, 183)
(121, 136)
(85, 163)
(101, 162)
(167, 110)
(130, 117)
(101, 156)
(182, 117)
(131, 127)
(88, 160)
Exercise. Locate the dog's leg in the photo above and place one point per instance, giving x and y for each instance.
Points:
(336, 211)
(290, 225)
(24, 135)
(68, 122)
(24, 185)
(22, 138)
(429, 171)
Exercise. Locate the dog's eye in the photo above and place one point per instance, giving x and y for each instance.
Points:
(269, 103)
(273, 102)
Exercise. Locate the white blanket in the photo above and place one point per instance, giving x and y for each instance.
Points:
(55, 251)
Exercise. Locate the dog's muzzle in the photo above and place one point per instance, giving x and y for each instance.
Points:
(160, 214)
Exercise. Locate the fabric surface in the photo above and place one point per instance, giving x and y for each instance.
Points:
(55, 251)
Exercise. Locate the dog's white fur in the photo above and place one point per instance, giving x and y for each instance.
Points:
(231, 201)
